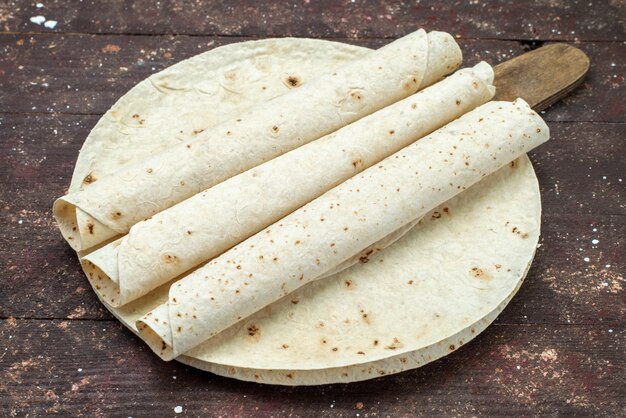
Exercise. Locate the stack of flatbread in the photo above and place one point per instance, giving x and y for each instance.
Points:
(238, 217)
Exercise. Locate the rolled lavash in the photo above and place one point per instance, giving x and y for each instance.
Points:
(161, 248)
(111, 205)
(322, 234)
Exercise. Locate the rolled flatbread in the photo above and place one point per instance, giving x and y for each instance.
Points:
(111, 205)
(321, 235)
(159, 249)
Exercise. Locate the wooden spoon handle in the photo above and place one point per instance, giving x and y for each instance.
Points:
(542, 76)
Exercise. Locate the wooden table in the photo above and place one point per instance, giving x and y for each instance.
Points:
(558, 349)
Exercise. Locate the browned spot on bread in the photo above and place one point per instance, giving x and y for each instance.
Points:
(413, 105)
(89, 178)
(436, 215)
(410, 282)
(149, 171)
(391, 132)
(197, 131)
(289, 375)
(285, 346)
(295, 301)
(474, 84)
(365, 317)
(357, 162)
(365, 258)
(275, 129)
(395, 344)
(335, 348)
(253, 330)
(375, 342)
(231, 75)
(479, 273)
(116, 215)
(512, 164)
(538, 130)
(189, 146)
(403, 359)
(446, 210)
(169, 259)
(458, 102)
(90, 227)
(360, 352)
(355, 95)
(452, 347)
(348, 283)
(292, 81)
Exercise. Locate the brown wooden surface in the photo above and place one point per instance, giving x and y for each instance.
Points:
(63, 353)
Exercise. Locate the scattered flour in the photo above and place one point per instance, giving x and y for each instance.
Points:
(38, 20)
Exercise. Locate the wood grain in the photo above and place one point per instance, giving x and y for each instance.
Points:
(541, 77)
(545, 20)
(89, 368)
(564, 330)
(87, 74)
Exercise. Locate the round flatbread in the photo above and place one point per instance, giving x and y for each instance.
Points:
(418, 300)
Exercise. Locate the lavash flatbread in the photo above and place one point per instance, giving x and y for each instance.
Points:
(478, 222)
(405, 293)
(170, 243)
(319, 236)
(102, 210)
